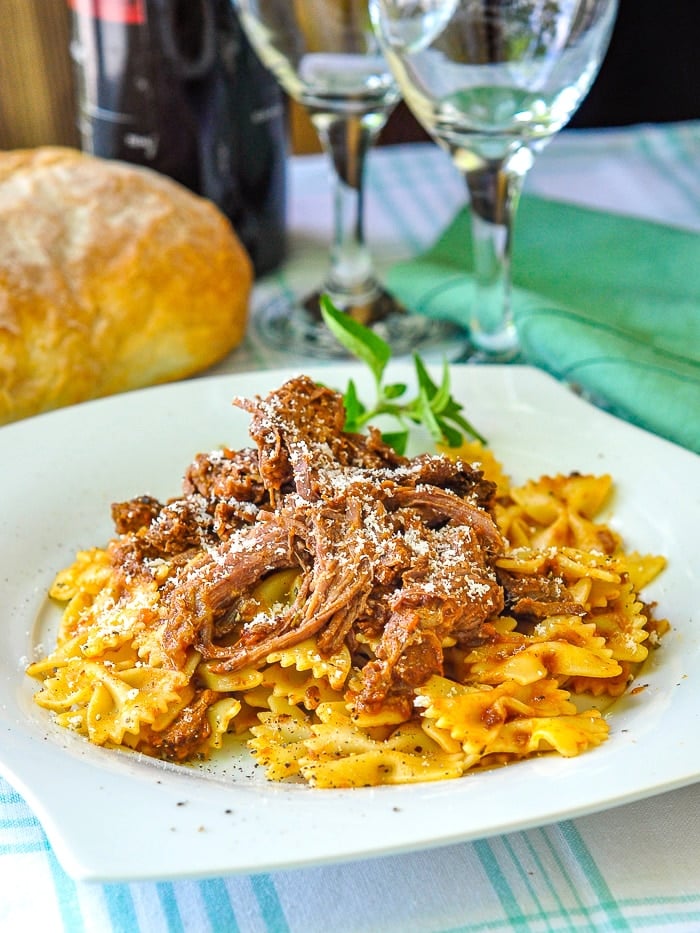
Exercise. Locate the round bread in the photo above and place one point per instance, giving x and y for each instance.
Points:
(112, 277)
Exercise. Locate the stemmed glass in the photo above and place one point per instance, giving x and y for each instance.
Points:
(326, 56)
(492, 81)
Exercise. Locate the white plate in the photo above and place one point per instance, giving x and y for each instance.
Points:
(117, 816)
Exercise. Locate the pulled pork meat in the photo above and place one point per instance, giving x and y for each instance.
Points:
(394, 556)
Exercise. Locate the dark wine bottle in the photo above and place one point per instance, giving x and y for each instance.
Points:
(174, 85)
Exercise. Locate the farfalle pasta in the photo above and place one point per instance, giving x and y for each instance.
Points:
(359, 617)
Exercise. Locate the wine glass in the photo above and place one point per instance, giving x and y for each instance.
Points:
(326, 56)
(492, 81)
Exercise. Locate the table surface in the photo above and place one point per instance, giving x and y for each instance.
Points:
(634, 867)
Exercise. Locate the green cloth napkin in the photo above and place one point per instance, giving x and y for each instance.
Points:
(609, 303)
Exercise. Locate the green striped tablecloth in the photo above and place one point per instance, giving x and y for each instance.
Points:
(636, 867)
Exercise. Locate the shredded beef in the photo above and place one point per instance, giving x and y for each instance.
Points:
(135, 514)
(226, 474)
(186, 733)
(537, 597)
(299, 428)
(397, 550)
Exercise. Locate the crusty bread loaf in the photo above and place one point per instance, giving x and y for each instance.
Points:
(112, 277)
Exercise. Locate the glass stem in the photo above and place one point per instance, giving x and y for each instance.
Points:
(346, 139)
(494, 191)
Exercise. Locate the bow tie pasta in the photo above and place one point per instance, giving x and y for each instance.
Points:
(356, 616)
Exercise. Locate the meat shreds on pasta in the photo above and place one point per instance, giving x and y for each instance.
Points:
(361, 617)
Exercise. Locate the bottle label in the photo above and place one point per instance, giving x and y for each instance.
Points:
(130, 12)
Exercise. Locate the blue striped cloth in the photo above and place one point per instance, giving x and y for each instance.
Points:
(635, 867)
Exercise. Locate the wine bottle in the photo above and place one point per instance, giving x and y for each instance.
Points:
(174, 85)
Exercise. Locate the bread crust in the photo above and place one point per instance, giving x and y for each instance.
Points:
(112, 277)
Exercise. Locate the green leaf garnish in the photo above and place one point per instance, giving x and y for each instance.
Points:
(433, 406)
(396, 439)
(355, 337)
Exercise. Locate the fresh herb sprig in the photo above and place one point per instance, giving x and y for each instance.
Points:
(433, 406)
